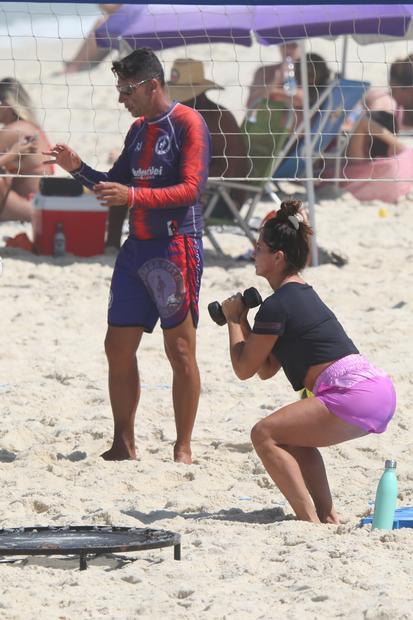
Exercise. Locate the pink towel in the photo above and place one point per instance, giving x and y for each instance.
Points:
(395, 167)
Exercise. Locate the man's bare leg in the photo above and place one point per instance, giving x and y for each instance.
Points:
(180, 347)
(121, 345)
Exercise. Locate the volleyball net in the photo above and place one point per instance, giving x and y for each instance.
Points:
(262, 98)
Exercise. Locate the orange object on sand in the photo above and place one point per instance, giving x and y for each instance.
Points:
(20, 241)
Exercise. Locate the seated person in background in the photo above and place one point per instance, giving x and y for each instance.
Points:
(268, 125)
(229, 154)
(21, 145)
(268, 77)
(401, 85)
(90, 54)
(374, 136)
(375, 152)
(319, 76)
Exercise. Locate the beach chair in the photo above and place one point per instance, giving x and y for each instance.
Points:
(328, 142)
(327, 139)
(265, 132)
(241, 217)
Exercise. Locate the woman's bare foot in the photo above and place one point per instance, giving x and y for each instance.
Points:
(331, 518)
(182, 455)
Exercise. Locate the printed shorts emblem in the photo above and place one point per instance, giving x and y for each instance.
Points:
(156, 278)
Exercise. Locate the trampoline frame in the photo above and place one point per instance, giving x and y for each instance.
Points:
(165, 539)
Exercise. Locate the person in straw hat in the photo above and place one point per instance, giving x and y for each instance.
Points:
(189, 85)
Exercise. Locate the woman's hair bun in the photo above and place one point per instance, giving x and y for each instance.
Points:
(289, 207)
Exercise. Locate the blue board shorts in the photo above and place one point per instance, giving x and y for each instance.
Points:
(156, 278)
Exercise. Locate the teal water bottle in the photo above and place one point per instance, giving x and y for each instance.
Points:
(386, 497)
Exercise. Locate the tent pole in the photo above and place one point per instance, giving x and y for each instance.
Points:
(308, 152)
(343, 68)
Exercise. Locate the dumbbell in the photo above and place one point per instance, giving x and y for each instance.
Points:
(251, 299)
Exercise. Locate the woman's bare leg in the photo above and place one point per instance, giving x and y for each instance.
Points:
(305, 424)
(12, 205)
(314, 474)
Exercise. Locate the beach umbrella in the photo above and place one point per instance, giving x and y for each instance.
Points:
(165, 26)
(278, 24)
(161, 26)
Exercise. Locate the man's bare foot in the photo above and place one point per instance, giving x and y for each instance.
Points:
(182, 455)
(118, 454)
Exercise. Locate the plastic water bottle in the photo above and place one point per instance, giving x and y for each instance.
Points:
(290, 83)
(252, 116)
(386, 497)
(59, 241)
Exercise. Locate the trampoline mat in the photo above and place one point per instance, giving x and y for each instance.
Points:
(83, 539)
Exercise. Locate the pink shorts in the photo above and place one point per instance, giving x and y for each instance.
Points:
(357, 392)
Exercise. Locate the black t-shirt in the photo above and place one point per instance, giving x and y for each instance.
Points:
(308, 331)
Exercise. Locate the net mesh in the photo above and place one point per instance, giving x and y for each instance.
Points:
(359, 133)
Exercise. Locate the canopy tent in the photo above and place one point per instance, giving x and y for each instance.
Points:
(163, 26)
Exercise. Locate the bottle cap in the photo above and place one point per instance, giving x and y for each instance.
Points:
(390, 464)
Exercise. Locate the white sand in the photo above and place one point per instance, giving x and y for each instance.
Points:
(243, 555)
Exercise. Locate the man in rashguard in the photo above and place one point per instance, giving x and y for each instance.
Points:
(159, 175)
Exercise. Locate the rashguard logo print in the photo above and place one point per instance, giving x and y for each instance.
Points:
(163, 145)
(166, 285)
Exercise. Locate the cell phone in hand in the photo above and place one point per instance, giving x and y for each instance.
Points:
(31, 138)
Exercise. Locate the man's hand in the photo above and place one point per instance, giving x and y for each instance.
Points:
(111, 194)
(64, 156)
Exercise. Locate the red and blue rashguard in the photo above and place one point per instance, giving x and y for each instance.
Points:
(158, 271)
(165, 163)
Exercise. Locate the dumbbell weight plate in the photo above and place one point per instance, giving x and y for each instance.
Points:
(216, 314)
(252, 298)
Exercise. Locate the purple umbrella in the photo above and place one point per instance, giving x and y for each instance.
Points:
(161, 26)
(277, 24)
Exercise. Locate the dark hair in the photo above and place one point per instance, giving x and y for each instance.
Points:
(280, 233)
(142, 63)
(318, 75)
(401, 71)
(378, 147)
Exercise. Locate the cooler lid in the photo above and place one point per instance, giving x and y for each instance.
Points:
(86, 202)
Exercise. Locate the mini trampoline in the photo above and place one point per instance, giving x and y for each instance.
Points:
(84, 540)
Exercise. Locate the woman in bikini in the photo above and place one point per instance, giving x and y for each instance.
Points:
(21, 144)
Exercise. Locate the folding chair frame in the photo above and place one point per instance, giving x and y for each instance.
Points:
(220, 188)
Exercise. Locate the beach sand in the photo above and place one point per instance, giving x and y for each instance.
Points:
(243, 554)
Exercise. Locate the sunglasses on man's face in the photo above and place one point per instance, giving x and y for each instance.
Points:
(127, 89)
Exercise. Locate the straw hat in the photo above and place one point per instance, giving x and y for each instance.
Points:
(188, 80)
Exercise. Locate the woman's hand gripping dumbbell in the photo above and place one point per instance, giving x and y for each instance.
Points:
(251, 298)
